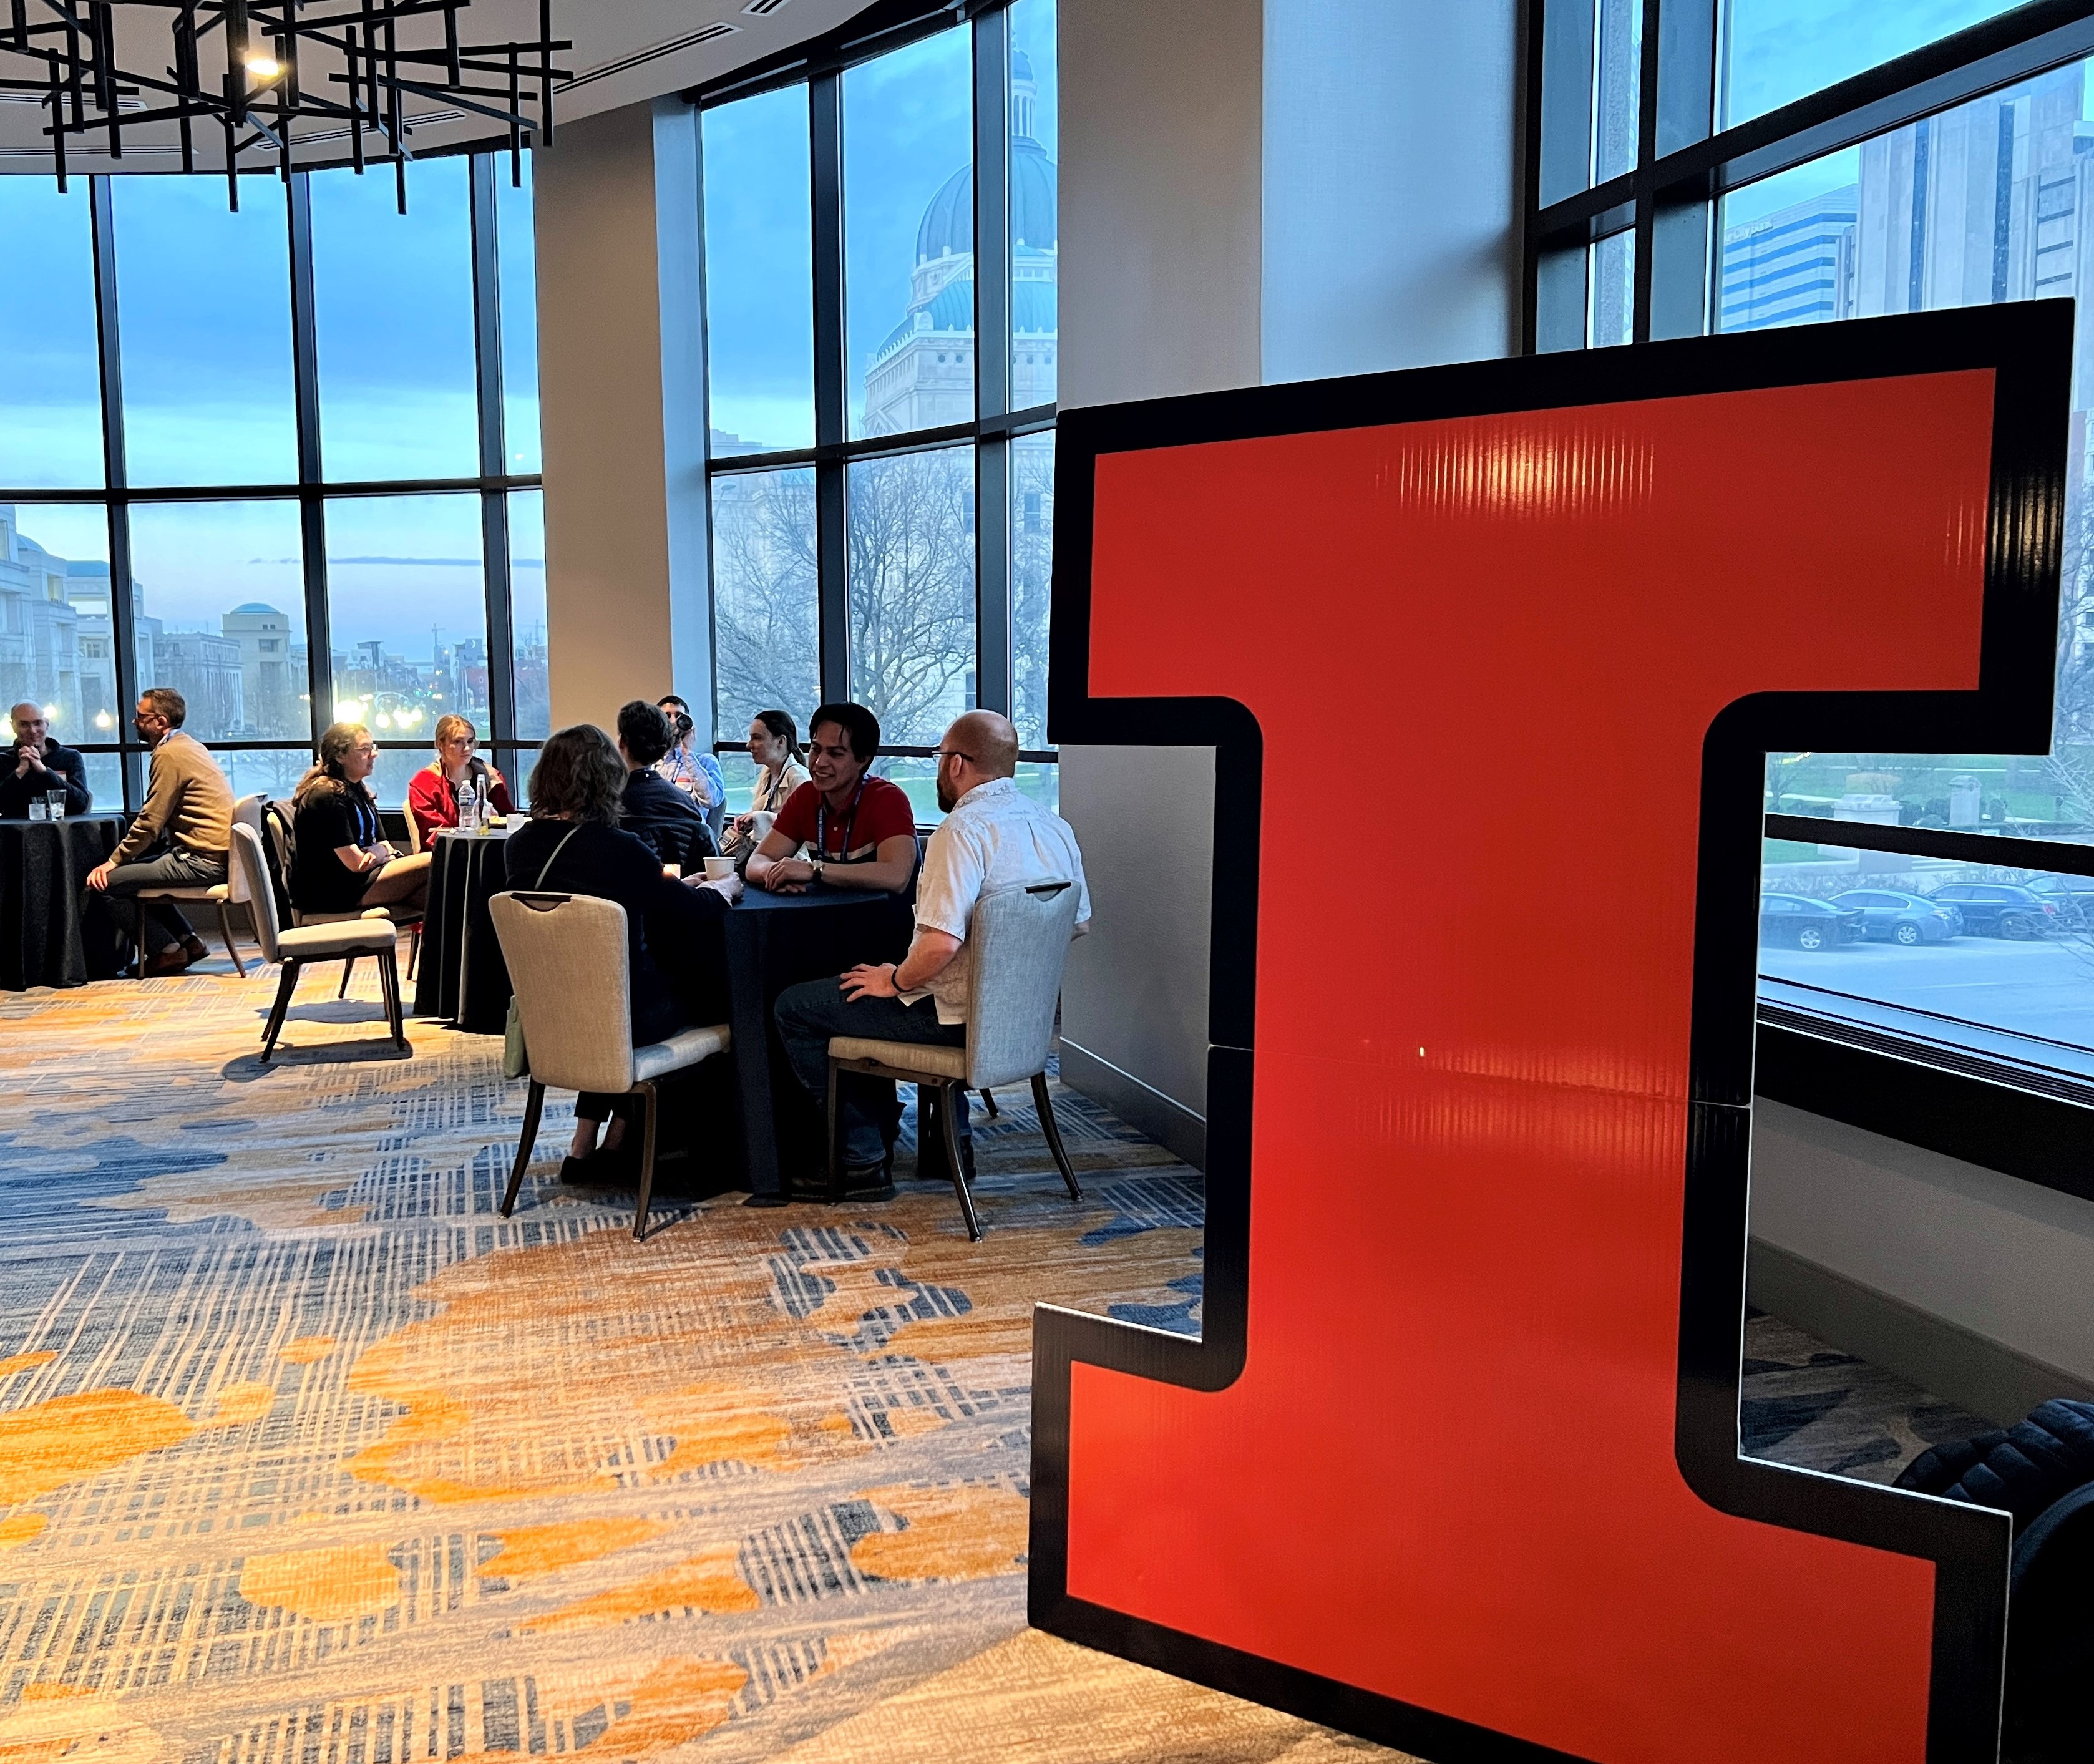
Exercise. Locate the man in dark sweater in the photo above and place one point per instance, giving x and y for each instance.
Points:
(36, 766)
(651, 807)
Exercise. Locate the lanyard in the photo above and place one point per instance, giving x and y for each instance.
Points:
(821, 823)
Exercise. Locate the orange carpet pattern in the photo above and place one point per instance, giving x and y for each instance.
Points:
(307, 1455)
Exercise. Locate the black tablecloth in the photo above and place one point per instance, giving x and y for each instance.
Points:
(52, 932)
(462, 977)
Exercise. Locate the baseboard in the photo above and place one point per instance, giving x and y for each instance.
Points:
(1942, 1357)
(1143, 1106)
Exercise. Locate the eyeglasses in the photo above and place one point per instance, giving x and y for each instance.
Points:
(368, 747)
(953, 752)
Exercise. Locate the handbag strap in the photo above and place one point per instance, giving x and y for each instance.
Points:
(546, 868)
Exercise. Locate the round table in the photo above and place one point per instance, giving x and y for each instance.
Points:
(461, 976)
(52, 932)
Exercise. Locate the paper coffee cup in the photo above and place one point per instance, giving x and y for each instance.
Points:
(719, 869)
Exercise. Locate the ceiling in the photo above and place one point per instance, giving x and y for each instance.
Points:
(624, 51)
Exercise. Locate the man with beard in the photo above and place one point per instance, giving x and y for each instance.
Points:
(994, 837)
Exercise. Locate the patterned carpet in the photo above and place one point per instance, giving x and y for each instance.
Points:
(306, 1455)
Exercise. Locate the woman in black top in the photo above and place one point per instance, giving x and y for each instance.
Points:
(340, 862)
(676, 955)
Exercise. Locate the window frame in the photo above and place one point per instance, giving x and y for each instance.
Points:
(1979, 1098)
(821, 66)
(310, 491)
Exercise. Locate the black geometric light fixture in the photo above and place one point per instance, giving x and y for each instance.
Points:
(258, 69)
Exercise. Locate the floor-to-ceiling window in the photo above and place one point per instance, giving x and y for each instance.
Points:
(880, 250)
(306, 433)
(1717, 167)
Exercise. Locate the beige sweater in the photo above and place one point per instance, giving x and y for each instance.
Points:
(186, 797)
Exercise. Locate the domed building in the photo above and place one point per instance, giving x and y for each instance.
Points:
(923, 374)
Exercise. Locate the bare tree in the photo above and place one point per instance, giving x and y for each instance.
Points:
(766, 612)
(1031, 571)
(912, 590)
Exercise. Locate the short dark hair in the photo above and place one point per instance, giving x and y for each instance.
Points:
(646, 731)
(860, 727)
(782, 729)
(579, 774)
(166, 701)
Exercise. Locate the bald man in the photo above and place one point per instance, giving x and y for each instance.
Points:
(994, 837)
(36, 766)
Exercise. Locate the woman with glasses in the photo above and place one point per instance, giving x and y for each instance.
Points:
(341, 860)
(433, 793)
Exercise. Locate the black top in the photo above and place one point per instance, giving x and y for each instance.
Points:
(67, 770)
(668, 820)
(673, 937)
(321, 881)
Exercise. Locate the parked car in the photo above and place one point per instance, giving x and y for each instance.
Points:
(2073, 896)
(2001, 909)
(1905, 918)
(1804, 923)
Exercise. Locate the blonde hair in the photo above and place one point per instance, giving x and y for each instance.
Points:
(450, 723)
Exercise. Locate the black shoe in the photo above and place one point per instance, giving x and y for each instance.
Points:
(870, 1182)
(604, 1167)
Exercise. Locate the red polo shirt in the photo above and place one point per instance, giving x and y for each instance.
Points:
(883, 811)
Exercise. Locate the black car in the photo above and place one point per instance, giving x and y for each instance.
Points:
(2073, 896)
(1905, 918)
(2002, 909)
(1803, 923)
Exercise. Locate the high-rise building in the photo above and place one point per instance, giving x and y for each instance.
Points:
(1794, 266)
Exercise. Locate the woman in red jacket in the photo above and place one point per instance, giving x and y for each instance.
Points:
(432, 791)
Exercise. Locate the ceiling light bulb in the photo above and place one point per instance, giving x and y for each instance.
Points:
(262, 65)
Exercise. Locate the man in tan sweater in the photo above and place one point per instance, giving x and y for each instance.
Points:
(186, 828)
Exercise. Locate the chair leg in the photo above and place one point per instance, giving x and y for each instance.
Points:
(413, 950)
(952, 1098)
(348, 968)
(646, 1159)
(284, 987)
(836, 1147)
(533, 1106)
(988, 1102)
(1053, 1134)
(388, 980)
(225, 931)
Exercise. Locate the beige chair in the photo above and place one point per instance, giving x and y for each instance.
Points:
(277, 827)
(304, 944)
(567, 957)
(233, 891)
(1019, 943)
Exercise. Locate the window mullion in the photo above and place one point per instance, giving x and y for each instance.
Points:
(312, 510)
(123, 635)
(1672, 235)
(493, 451)
(832, 588)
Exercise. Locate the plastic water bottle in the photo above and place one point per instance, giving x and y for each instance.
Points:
(468, 807)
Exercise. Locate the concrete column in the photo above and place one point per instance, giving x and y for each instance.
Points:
(621, 367)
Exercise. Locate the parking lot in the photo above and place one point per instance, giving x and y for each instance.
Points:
(2043, 988)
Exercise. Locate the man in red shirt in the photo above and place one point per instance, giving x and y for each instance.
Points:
(860, 832)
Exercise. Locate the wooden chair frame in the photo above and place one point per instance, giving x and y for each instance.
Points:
(534, 1106)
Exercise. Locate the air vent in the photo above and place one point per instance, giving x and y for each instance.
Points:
(711, 34)
(763, 9)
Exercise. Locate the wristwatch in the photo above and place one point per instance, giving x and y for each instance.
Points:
(815, 864)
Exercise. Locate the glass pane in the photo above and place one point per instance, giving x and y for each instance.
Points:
(219, 600)
(1035, 208)
(55, 646)
(1775, 51)
(1610, 300)
(909, 237)
(50, 378)
(759, 274)
(1617, 86)
(911, 523)
(738, 771)
(203, 296)
(393, 299)
(516, 256)
(407, 613)
(1031, 569)
(527, 613)
(767, 619)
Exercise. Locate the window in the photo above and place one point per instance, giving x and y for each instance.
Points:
(882, 514)
(1983, 191)
(236, 551)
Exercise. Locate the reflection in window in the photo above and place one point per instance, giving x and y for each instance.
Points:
(407, 612)
(51, 377)
(1035, 208)
(767, 619)
(1873, 229)
(218, 594)
(531, 676)
(516, 258)
(55, 647)
(910, 524)
(1617, 86)
(392, 301)
(759, 274)
(1610, 300)
(1031, 568)
(205, 295)
(1776, 51)
(909, 237)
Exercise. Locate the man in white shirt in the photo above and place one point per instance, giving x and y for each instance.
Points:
(994, 837)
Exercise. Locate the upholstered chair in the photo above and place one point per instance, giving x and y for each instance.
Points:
(224, 896)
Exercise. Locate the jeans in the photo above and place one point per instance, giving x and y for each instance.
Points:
(175, 867)
(810, 1014)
